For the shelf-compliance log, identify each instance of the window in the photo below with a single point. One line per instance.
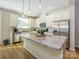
(22, 22)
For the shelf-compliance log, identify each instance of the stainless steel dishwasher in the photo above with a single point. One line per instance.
(16, 37)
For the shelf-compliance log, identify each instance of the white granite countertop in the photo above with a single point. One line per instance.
(50, 40)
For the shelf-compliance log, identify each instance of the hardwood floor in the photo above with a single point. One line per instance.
(14, 52)
(17, 51)
(72, 55)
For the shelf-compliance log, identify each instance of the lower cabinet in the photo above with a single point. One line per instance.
(42, 52)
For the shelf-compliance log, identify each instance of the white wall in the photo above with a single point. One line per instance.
(0, 27)
(5, 25)
(77, 23)
(72, 28)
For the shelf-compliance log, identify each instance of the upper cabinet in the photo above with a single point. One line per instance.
(13, 19)
(60, 15)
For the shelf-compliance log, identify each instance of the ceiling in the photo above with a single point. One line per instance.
(17, 5)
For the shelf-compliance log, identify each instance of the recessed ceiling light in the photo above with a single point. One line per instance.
(50, 8)
(40, 6)
(19, 8)
(29, 12)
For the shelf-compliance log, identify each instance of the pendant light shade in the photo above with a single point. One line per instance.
(23, 6)
(29, 11)
(23, 14)
(40, 4)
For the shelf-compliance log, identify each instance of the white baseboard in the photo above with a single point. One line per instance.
(77, 46)
(72, 49)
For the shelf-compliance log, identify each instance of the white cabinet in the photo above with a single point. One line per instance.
(42, 52)
(5, 25)
(60, 15)
(13, 19)
(0, 27)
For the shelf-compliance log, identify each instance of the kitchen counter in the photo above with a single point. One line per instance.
(48, 47)
(50, 40)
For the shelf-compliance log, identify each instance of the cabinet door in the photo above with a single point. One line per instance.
(5, 25)
(42, 52)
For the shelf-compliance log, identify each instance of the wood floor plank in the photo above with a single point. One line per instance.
(14, 52)
(17, 51)
(72, 55)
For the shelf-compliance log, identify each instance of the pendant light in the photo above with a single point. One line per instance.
(23, 9)
(29, 11)
(40, 4)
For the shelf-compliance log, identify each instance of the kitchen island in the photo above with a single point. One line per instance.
(48, 47)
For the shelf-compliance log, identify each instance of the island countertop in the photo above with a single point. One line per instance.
(50, 40)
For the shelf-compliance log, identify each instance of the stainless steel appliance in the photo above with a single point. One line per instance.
(62, 28)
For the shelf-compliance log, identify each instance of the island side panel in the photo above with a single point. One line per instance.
(42, 52)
